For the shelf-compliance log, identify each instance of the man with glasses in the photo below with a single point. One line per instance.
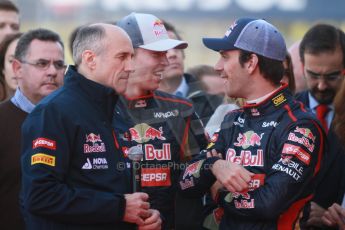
(322, 52)
(39, 67)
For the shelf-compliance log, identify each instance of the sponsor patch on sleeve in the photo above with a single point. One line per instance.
(297, 151)
(193, 169)
(44, 143)
(42, 158)
(152, 177)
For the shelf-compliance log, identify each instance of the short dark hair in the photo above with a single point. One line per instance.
(39, 34)
(8, 6)
(271, 70)
(322, 38)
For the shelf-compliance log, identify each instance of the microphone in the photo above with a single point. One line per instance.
(135, 153)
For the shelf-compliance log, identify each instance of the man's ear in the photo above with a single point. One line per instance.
(17, 68)
(89, 58)
(252, 63)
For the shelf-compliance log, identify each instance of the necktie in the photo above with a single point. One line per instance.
(321, 112)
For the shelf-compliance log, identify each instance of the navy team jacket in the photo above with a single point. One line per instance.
(282, 144)
(168, 131)
(72, 171)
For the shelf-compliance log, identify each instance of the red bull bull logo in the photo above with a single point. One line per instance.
(93, 138)
(97, 145)
(193, 169)
(305, 132)
(247, 139)
(142, 133)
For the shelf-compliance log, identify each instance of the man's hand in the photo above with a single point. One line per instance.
(316, 212)
(153, 222)
(334, 216)
(232, 176)
(215, 189)
(137, 208)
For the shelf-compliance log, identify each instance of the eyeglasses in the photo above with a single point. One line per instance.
(327, 77)
(44, 64)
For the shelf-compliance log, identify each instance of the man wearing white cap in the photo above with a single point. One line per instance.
(272, 136)
(164, 126)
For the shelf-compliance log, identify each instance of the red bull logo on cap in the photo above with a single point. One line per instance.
(158, 28)
(142, 133)
(247, 139)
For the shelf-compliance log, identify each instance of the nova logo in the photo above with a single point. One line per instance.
(173, 113)
(97, 163)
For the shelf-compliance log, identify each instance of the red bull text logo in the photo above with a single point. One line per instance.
(96, 147)
(304, 141)
(305, 132)
(246, 158)
(247, 139)
(257, 181)
(157, 154)
(142, 133)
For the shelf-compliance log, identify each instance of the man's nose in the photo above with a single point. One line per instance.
(322, 84)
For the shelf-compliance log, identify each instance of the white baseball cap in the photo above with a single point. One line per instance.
(148, 32)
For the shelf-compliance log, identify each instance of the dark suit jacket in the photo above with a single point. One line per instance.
(331, 187)
(204, 104)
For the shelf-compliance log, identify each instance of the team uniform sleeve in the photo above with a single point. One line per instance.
(197, 177)
(47, 140)
(290, 177)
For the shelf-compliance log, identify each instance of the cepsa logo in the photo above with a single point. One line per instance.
(142, 133)
(153, 177)
(44, 143)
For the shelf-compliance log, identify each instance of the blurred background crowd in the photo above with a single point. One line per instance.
(193, 18)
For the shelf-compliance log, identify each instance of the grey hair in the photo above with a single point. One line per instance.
(88, 37)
